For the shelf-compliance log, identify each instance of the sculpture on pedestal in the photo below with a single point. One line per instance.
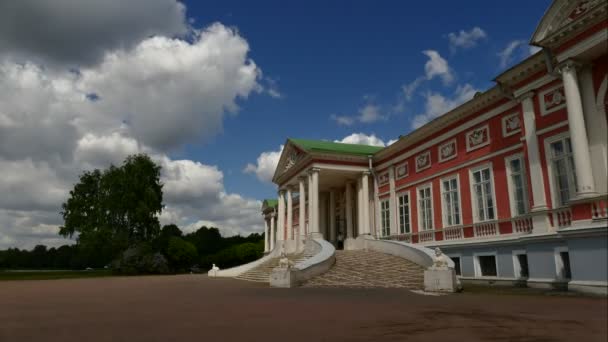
(440, 260)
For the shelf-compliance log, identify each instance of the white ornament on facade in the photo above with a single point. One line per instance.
(447, 151)
(292, 159)
(478, 137)
(552, 99)
(423, 161)
(402, 170)
(511, 124)
(383, 178)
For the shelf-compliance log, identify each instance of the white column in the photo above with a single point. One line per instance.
(266, 234)
(332, 216)
(578, 132)
(536, 172)
(392, 204)
(281, 218)
(359, 207)
(315, 199)
(302, 211)
(377, 219)
(310, 204)
(273, 228)
(349, 209)
(365, 197)
(289, 214)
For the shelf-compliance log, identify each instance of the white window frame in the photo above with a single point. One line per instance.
(384, 229)
(541, 100)
(511, 186)
(474, 196)
(409, 211)
(443, 203)
(486, 127)
(451, 141)
(477, 265)
(551, 173)
(420, 226)
(459, 256)
(559, 264)
(517, 265)
(504, 125)
(428, 153)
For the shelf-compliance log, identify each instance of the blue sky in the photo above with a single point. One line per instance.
(337, 57)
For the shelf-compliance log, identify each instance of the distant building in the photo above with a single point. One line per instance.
(512, 185)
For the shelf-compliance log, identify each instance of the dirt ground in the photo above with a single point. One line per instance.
(196, 308)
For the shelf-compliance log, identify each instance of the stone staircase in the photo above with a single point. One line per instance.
(262, 272)
(369, 269)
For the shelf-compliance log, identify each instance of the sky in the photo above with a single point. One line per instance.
(212, 90)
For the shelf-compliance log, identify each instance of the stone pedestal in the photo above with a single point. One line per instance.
(350, 244)
(440, 280)
(283, 277)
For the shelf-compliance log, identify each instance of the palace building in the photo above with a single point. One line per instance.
(511, 185)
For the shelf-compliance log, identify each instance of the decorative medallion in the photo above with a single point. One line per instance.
(478, 137)
(511, 124)
(402, 170)
(447, 151)
(423, 161)
(383, 178)
(292, 159)
(553, 100)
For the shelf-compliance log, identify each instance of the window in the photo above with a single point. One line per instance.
(517, 185)
(483, 195)
(485, 266)
(564, 173)
(385, 214)
(456, 261)
(451, 203)
(404, 214)
(562, 263)
(425, 209)
(520, 264)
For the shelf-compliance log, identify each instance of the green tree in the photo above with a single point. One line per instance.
(114, 209)
(181, 254)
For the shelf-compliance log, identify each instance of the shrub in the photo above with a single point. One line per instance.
(182, 254)
(140, 259)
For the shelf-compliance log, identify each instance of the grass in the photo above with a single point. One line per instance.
(52, 274)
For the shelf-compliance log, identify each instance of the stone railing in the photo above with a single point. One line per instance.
(485, 229)
(323, 259)
(522, 224)
(426, 236)
(398, 237)
(599, 209)
(238, 270)
(562, 217)
(453, 233)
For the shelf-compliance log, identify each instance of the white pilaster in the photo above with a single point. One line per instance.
(310, 204)
(392, 205)
(302, 211)
(578, 132)
(332, 216)
(273, 228)
(377, 220)
(536, 172)
(349, 209)
(365, 197)
(281, 218)
(289, 214)
(315, 199)
(359, 207)
(266, 235)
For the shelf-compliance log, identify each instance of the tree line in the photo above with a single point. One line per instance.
(113, 215)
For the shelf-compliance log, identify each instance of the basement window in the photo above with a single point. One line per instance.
(487, 265)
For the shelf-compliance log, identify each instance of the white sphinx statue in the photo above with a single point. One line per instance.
(214, 270)
(440, 261)
(284, 262)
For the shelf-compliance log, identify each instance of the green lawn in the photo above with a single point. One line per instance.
(51, 274)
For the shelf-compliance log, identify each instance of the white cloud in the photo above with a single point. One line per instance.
(438, 104)
(515, 50)
(265, 165)
(343, 120)
(464, 39)
(437, 66)
(362, 139)
(152, 97)
(369, 113)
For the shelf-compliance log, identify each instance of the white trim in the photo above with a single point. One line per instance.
(504, 124)
(559, 264)
(548, 78)
(552, 186)
(517, 265)
(388, 208)
(541, 100)
(485, 127)
(458, 129)
(462, 166)
(511, 186)
(443, 210)
(454, 154)
(477, 265)
(474, 197)
(598, 38)
(459, 256)
(552, 127)
(430, 162)
(421, 187)
(409, 210)
(407, 170)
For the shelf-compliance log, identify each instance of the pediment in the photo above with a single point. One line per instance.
(561, 14)
(290, 157)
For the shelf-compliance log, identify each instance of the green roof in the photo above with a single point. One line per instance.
(270, 203)
(334, 147)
